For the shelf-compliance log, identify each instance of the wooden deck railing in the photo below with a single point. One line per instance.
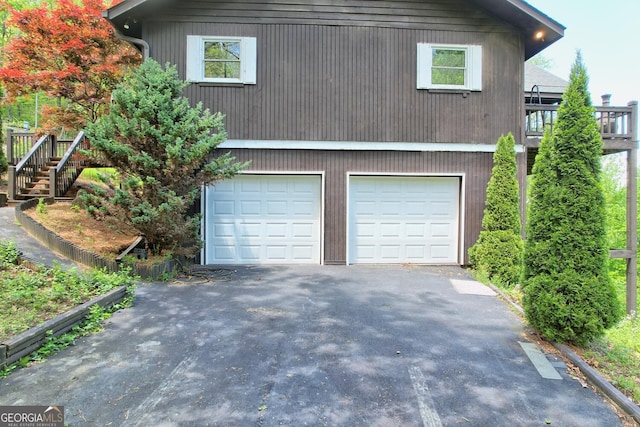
(615, 122)
(18, 145)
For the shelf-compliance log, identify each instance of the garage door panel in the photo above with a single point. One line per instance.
(223, 229)
(416, 208)
(416, 252)
(302, 252)
(246, 186)
(403, 219)
(250, 253)
(441, 209)
(276, 207)
(248, 208)
(390, 229)
(303, 230)
(225, 252)
(303, 208)
(418, 230)
(441, 252)
(263, 219)
(441, 231)
(276, 230)
(224, 207)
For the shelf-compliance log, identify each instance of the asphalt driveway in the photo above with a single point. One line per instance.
(310, 346)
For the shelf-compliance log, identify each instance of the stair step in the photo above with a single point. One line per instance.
(32, 194)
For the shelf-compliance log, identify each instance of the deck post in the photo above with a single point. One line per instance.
(9, 141)
(54, 142)
(52, 182)
(11, 178)
(632, 214)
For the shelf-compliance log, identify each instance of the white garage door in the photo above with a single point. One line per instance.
(263, 219)
(403, 219)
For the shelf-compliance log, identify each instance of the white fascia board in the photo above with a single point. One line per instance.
(258, 144)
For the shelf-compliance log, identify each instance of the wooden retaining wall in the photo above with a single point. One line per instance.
(24, 344)
(63, 247)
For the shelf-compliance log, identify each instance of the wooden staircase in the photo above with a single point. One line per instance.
(48, 167)
(40, 185)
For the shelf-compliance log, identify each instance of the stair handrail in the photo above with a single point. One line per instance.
(72, 148)
(67, 170)
(15, 172)
(32, 152)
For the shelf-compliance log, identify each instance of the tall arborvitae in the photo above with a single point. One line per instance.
(498, 252)
(568, 295)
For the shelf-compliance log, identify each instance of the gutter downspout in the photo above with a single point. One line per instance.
(142, 44)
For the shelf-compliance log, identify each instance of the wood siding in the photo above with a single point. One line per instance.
(338, 70)
(476, 168)
(450, 15)
(351, 82)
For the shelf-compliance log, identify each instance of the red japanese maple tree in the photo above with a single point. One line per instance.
(70, 52)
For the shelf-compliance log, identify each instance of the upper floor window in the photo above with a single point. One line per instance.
(221, 59)
(449, 67)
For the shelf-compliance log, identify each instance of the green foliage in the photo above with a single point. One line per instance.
(618, 356)
(615, 194)
(27, 297)
(541, 61)
(42, 207)
(567, 292)
(164, 151)
(498, 256)
(4, 164)
(9, 255)
(448, 66)
(498, 252)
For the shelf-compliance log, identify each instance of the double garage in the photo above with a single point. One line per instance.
(279, 219)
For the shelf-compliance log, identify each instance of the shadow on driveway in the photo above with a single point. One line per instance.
(309, 345)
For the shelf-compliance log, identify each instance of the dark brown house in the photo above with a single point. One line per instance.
(370, 125)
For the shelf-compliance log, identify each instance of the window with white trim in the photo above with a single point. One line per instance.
(449, 67)
(221, 59)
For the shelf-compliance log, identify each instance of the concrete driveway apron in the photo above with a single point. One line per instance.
(311, 346)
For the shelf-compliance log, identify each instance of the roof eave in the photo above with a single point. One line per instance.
(539, 30)
(123, 7)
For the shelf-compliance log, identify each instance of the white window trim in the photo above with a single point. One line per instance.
(195, 59)
(473, 71)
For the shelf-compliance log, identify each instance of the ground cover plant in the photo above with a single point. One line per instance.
(29, 297)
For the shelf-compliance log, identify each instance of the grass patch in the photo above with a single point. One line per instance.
(617, 354)
(29, 298)
(96, 175)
